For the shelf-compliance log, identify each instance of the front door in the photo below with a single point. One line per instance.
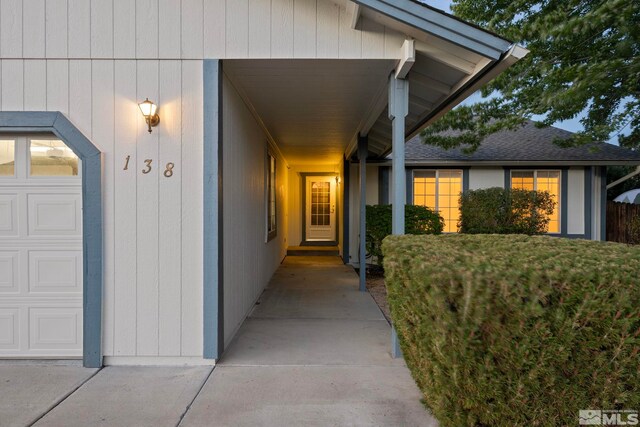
(320, 209)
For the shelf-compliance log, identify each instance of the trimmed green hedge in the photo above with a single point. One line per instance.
(418, 220)
(516, 330)
(505, 211)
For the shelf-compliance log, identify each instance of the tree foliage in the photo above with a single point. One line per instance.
(584, 56)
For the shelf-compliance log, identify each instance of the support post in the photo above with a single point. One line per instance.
(398, 110)
(363, 152)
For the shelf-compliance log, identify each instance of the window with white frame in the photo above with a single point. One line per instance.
(541, 180)
(439, 190)
(271, 197)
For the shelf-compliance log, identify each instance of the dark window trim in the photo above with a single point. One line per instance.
(271, 233)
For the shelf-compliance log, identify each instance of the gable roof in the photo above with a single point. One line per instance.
(526, 145)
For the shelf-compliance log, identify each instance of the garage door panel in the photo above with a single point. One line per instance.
(9, 329)
(40, 255)
(9, 215)
(54, 214)
(55, 272)
(9, 272)
(53, 328)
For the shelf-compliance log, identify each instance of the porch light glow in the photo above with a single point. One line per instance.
(149, 111)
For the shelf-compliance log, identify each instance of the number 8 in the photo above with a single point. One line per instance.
(169, 170)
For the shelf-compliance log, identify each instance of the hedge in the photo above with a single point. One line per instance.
(505, 211)
(418, 220)
(516, 330)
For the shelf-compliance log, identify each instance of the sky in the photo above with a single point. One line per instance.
(572, 125)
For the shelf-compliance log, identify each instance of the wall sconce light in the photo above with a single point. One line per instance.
(149, 111)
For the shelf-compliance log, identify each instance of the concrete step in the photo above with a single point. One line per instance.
(313, 251)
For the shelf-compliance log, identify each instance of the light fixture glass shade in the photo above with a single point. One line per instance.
(148, 108)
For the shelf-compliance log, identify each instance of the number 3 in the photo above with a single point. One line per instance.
(148, 168)
(169, 170)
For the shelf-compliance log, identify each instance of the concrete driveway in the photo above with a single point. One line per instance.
(314, 352)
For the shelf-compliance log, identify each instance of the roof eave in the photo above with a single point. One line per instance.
(510, 163)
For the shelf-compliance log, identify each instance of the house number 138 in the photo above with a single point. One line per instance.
(168, 171)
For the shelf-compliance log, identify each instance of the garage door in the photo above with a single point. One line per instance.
(40, 248)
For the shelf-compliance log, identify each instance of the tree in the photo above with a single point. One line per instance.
(584, 56)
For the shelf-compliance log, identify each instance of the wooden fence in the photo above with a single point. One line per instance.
(618, 217)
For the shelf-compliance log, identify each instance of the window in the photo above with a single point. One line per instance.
(7, 157)
(320, 203)
(440, 190)
(51, 157)
(541, 180)
(271, 197)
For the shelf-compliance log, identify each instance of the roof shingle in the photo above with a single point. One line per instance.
(526, 144)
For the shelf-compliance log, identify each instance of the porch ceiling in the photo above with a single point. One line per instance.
(311, 108)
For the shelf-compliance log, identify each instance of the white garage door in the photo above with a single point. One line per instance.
(40, 248)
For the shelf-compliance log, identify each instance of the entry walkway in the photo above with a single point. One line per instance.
(314, 352)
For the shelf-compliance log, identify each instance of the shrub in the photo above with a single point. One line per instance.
(418, 220)
(516, 330)
(505, 211)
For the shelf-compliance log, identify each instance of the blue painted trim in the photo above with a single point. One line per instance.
(564, 201)
(383, 185)
(91, 157)
(213, 297)
(441, 25)
(603, 203)
(507, 178)
(363, 148)
(588, 202)
(465, 180)
(346, 186)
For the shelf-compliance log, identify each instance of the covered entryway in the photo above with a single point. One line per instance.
(40, 248)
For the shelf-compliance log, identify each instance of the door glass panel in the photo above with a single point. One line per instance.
(7, 157)
(320, 201)
(51, 157)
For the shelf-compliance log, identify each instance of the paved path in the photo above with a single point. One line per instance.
(314, 352)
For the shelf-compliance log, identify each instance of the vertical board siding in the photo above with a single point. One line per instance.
(124, 28)
(102, 135)
(11, 28)
(35, 85)
(79, 27)
(33, 18)
(56, 29)
(350, 40)
(328, 22)
(12, 85)
(259, 28)
(214, 32)
(237, 28)
(192, 207)
(169, 14)
(304, 28)
(126, 118)
(249, 262)
(282, 29)
(152, 224)
(147, 30)
(189, 29)
(58, 85)
(147, 218)
(192, 29)
(102, 35)
(80, 96)
(169, 208)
